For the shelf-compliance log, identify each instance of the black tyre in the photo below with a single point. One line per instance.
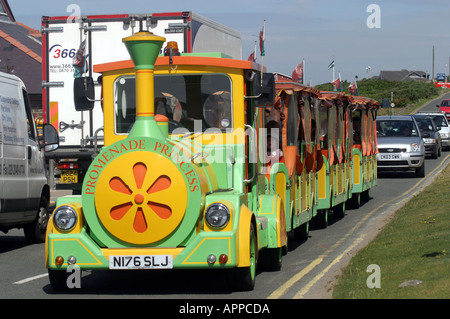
(321, 219)
(302, 231)
(243, 278)
(420, 171)
(35, 231)
(270, 259)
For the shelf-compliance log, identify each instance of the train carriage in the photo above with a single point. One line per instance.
(301, 144)
(334, 176)
(364, 150)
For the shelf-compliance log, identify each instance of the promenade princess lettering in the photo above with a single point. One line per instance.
(104, 157)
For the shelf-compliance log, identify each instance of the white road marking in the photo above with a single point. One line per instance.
(23, 281)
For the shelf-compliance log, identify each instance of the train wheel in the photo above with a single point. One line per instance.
(270, 259)
(355, 201)
(339, 210)
(321, 219)
(302, 232)
(366, 195)
(243, 278)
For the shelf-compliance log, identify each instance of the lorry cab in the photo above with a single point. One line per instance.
(24, 192)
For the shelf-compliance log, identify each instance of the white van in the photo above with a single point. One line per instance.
(24, 192)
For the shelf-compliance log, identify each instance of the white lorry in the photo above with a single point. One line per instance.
(94, 40)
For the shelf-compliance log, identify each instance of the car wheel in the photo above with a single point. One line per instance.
(420, 171)
(435, 153)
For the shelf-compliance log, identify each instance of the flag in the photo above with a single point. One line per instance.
(353, 88)
(297, 74)
(80, 61)
(331, 65)
(262, 38)
(252, 56)
(336, 84)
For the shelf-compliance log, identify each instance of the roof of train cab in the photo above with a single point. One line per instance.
(211, 59)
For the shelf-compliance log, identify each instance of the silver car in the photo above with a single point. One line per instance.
(441, 121)
(400, 145)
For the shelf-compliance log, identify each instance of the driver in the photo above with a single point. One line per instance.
(217, 110)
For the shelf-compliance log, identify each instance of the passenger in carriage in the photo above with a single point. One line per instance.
(356, 130)
(274, 153)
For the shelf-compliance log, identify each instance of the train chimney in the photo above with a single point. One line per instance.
(144, 48)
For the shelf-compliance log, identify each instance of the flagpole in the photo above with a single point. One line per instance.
(303, 73)
(263, 53)
(262, 68)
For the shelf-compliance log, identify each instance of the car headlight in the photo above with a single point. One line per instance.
(444, 135)
(65, 218)
(415, 147)
(217, 215)
(429, 140)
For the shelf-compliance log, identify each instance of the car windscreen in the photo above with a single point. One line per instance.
(439, 120)
(396, 128)
(424, 124)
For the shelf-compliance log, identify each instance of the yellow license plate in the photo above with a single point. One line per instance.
(69, 176)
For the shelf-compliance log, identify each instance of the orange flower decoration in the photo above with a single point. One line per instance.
(138, 198)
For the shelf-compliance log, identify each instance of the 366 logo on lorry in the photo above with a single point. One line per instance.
(62, 59)
(59, 52)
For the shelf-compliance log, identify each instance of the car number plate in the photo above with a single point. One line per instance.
(141, 262)
(69, 176)
(390, 156)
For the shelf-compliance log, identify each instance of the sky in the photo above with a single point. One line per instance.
(363, 37)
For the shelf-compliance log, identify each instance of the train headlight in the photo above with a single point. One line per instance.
(65, 218)
(217, 215)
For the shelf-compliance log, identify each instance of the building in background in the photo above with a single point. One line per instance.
(404, 75)
(20, 54)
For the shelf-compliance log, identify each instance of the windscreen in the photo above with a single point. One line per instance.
(396, 128)
(439, 120)
(191, 102)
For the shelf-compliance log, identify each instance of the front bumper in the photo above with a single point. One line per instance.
(399, 161)
(430, 149)
(90, 256)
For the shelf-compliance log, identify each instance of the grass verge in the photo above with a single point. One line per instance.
(414, 246)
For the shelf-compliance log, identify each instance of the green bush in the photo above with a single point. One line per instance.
(405, 93)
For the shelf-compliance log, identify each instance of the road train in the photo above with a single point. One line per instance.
(209, 163)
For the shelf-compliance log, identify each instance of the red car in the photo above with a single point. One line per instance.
(445, 107)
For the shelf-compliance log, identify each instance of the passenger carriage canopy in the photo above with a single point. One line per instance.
(191, 102)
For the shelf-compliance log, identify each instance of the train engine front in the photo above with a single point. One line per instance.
(144, 202)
